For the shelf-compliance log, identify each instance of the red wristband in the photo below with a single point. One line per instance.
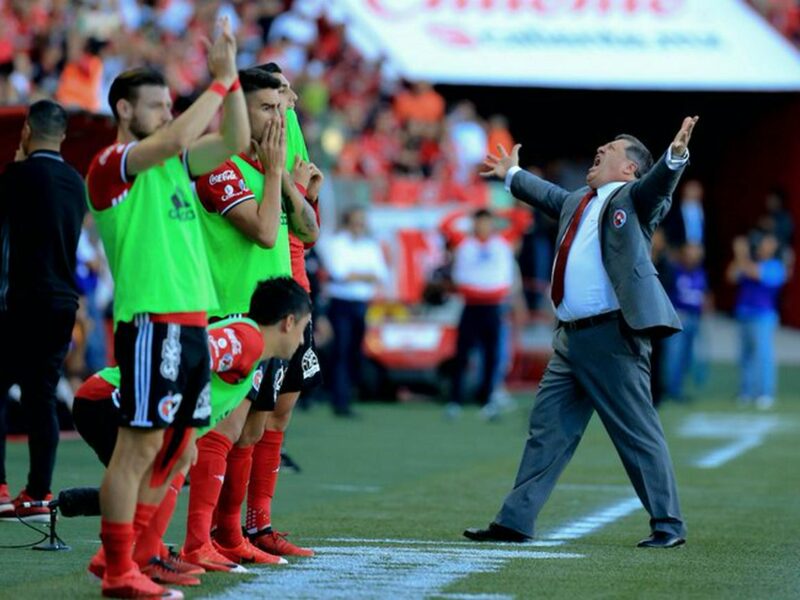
(218, 88)
(236, 85)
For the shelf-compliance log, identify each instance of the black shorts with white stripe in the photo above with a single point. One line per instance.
(303, 373)
(164, 374)
(267, 381)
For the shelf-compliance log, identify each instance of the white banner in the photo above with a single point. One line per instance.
(610, 44)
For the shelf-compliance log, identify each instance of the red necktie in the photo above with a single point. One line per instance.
(557, 289)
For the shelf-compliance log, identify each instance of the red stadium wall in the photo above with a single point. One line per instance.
(86, 135)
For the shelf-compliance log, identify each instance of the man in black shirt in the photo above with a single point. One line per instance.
(42, 204)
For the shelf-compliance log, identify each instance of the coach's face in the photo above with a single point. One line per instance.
(151, 110)
(611, 163)
(263, 107)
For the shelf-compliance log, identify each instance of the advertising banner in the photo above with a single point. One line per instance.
(603, 44)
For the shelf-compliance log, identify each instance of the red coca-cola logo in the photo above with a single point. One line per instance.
(400, 9)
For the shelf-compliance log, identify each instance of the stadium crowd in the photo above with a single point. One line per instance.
(360, 117)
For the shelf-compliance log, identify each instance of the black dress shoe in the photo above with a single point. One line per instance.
(495, 533)
(661, 539)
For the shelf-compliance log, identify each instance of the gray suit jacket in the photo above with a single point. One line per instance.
(627, 222)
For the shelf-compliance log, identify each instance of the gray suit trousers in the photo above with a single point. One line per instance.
(604, 368)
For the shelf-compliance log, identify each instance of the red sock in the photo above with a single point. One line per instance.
(206, 477)
(263, 479)
(234, 490)
(148, 542)
(142, 517)
(118, 546)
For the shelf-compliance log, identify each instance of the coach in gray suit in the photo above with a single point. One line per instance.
(609, 303)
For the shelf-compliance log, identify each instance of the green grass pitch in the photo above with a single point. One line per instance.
(385, 499)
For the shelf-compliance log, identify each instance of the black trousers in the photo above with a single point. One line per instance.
(479, 326)
(348, 320)
(33, 345)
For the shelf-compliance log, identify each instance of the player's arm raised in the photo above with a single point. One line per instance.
(260, 221)
(211, 150)
(302, 217)
(185, 130)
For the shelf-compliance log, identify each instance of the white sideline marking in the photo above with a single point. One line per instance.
(411, 569)
(373, 571)
(746, 431)
(720, 456)
(591, 523)
(402, 542)
(344, 487)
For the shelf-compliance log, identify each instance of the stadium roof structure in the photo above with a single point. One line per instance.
(710, 45)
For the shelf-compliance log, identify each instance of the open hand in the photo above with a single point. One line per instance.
(680, 144)
(498, 166)
(222, 54)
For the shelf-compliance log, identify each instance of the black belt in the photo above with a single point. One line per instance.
(589, 321)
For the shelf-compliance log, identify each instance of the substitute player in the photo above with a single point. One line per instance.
(250, 203)
(303, 373)
(140, 195)
(279, 310)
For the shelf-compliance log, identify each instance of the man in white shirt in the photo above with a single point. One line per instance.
(483, 274)
(357, 271)
(609, 304)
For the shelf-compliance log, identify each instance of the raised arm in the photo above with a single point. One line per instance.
(211, 150)
(260, 221)
(652, 194)
(302, 217)
(546, 196)
(184, 131)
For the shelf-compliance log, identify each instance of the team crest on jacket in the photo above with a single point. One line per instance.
(619, 218)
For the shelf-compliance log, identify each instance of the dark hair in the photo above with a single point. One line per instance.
(126, 85)
(481, 213)
(638, 153)
(253, 80)
(275, 299)
(269, 67)
(47, 120)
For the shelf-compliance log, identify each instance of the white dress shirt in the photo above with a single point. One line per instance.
(346, 255)
(587, 289)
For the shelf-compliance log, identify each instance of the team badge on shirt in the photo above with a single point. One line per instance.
(257, 377)
(310, 364)
(620, 217)
(168, 406)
